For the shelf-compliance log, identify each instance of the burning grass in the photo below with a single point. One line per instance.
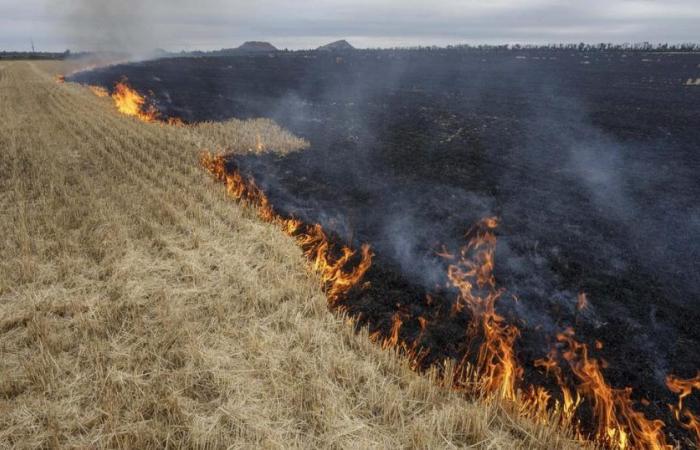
(140, 309)
(251, 136)
(490, 367)
(492, 371)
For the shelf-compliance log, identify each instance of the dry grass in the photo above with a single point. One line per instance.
(140, 308)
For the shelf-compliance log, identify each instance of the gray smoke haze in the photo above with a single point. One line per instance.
(131, 26)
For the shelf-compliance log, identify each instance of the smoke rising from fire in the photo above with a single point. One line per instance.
(135, 27)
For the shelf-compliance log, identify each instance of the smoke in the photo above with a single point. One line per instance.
(638, 190)
(138, 27)
(107, 26)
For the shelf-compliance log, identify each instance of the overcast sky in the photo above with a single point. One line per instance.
(213, 24)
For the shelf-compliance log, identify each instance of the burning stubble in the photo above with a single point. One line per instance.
(490, 365)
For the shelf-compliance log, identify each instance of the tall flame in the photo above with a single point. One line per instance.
(571, 400)
(496, 367)
(581, 301)
(618, 424)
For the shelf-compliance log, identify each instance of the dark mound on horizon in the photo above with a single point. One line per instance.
(590, 159)
(337, 46)
(256, 47)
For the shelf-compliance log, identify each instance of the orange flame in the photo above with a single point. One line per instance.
(683, 415)
(175, 121)
(259, 146)
(581, 301)
(99, 91)
(333, 264)
(472, 274)
(618, 424)
(393, 340)
(571, 400)
(131, 103)
(60, 78)
(496, 371)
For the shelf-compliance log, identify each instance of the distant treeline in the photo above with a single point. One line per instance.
(571, 47)
(580, 47)
(101, 56)
(35, 55)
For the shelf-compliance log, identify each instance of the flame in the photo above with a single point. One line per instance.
(99, 91)
(131, 103)
(683, 415)
(571, 400)
(393, 340)
(492, 369)
(332, 263)
(175, 121)
(60, 79)
(496, 367)
(581, 301)
(618, 424)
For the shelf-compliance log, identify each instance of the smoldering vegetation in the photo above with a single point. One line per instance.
(590, 162)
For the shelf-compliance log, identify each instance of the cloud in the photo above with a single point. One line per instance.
(174, 24)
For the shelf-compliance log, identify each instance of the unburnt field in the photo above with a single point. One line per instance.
(590, 160)
(141, 308)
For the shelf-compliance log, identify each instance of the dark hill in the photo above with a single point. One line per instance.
(257, 46)
(341, 45)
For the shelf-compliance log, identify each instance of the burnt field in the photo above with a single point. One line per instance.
(589, 160)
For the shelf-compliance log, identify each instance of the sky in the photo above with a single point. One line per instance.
(141, 25)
